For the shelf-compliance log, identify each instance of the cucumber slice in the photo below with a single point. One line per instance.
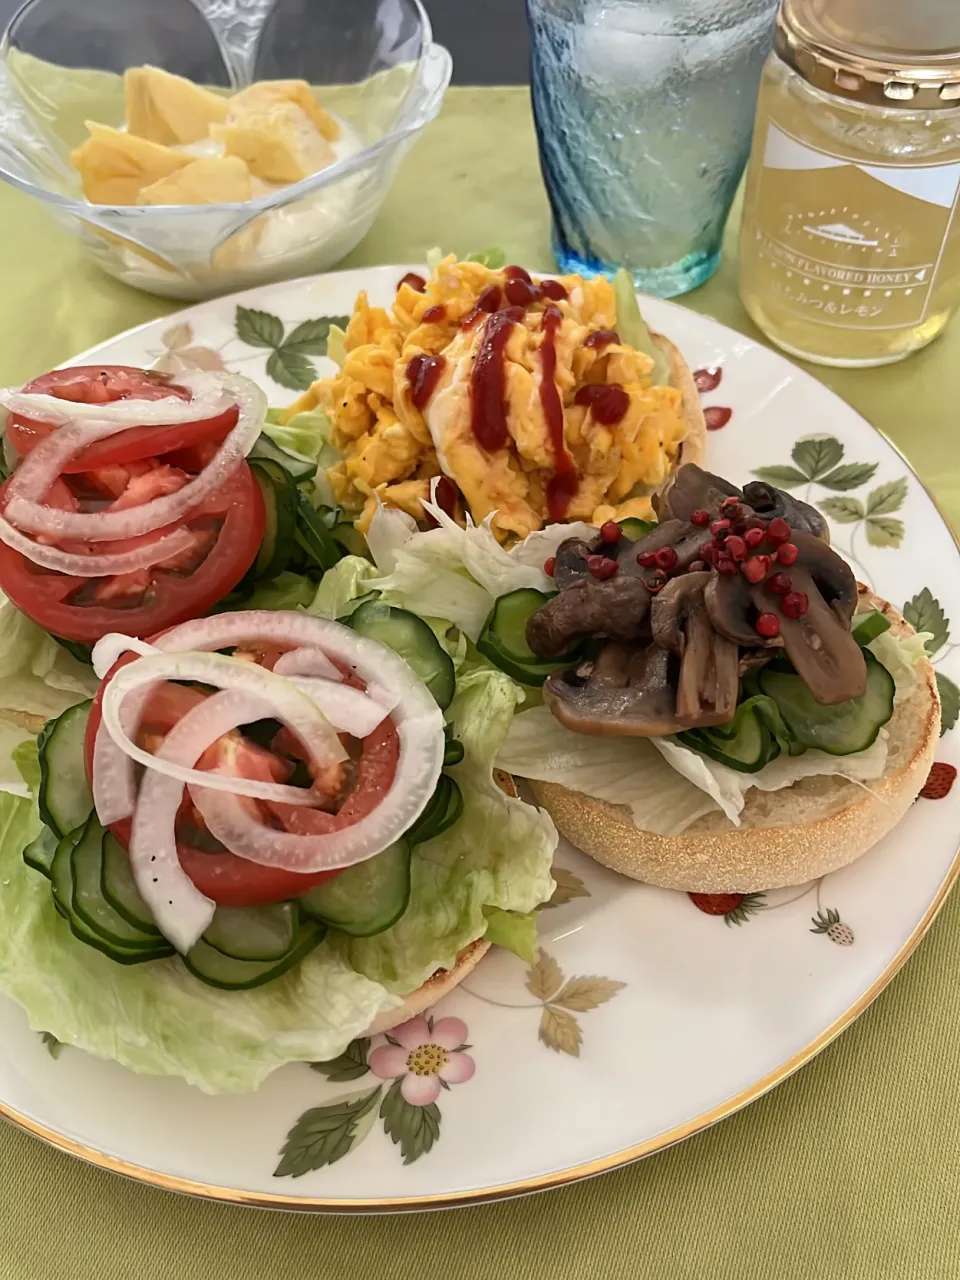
(217, 970)
(412, 639)
(635, 529)
(504, 638)
(63, 889)
(90, 907)
(867, 626)
(120, 889)
(253, 933)
(842, 729)
(443, 809)
(280, 508)
(745, 743)
(453, 752)
(61, 875)
(314, 536)
(366, 898)
(39, 853)
(64, 797)
(296, 465)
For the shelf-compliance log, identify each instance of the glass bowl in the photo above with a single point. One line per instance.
(371, 62)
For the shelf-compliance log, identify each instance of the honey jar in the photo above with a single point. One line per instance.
(850, 240)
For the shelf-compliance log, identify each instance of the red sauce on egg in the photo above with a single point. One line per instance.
(563, 484)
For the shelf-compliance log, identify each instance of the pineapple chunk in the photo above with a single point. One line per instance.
(221, 180)
(278, 142)
(114, 165)
(266, 92)
(169, 109)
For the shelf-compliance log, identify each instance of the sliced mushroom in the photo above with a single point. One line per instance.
(823, 652)
(627, 691)
(688, 540)
(819, 643)
(618, 607)
(709, 679)
(730, 608)
(834, 577)
(571, 562)
(771, 503)
(692, 489)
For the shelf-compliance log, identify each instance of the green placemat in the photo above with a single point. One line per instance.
(849, 1170)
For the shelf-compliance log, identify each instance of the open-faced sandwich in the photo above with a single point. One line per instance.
(262, 817)
(725, 709)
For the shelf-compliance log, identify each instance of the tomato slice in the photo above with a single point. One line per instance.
(105, 384)
(229, 880)
(228, 528)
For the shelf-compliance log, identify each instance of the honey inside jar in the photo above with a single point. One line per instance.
(850, 242)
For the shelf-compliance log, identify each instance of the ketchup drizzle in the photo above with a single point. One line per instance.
(488, 381)
(414, 281)
(608, 402)
(435, 315)
(423, 374)
(486, 304)
(565, 481)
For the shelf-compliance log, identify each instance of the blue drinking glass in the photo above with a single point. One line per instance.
(644, 112)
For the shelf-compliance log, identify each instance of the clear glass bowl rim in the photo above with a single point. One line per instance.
(431, 53)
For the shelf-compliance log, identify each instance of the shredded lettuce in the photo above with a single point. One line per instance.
(342, 588)
(632, 327)
(337, 345)
(456, 573)
(728, 787)
(900, 655)
(494, 258)
(306, 434)
(285, 591)
(622, 771)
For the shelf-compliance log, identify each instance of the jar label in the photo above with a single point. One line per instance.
(850, 244)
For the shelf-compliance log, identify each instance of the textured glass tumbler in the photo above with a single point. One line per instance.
(644, 112)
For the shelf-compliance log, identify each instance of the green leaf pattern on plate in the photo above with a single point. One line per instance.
(414, 1129)
(324, 1135)
(925, 613)
(289, 364)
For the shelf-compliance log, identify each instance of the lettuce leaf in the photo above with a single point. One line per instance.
(342, 588)
(38, 679)
(665, 786)
(456, 573)
(156, 1018)
(498, 855)
(900, 655)
(728, 787)
(624, 771)
(514, 930)
(285, 591)
(632, 327)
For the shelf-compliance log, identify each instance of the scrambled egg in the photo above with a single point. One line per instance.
(391, 450)
(184, 144)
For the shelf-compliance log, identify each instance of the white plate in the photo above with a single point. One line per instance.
(645, 1019)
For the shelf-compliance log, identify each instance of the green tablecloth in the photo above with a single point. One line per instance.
(849, 1169)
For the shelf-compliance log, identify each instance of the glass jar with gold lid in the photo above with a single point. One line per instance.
(850, 241)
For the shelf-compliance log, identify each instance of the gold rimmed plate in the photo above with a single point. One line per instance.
(646, 1017)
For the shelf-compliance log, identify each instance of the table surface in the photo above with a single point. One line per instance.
(849, 1169)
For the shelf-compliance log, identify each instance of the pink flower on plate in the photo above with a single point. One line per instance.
(427, 1055)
